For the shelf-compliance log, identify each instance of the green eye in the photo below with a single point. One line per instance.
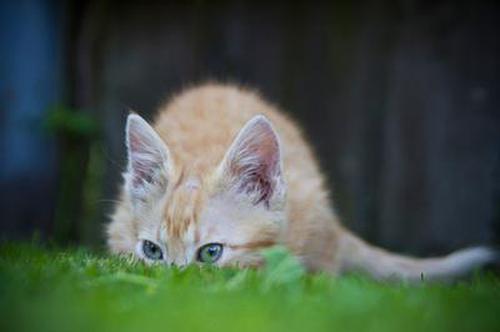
(210, 253)
(151, 250)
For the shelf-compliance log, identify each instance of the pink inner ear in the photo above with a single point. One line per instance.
(143, 172)
(256, 162)
(145, 159)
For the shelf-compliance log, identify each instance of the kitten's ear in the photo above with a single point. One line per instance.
(253, 165)
(148, 161)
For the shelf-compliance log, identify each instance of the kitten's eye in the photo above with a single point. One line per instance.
(151, 250)
(209, 253)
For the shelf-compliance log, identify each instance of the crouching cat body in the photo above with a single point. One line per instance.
(223, 174)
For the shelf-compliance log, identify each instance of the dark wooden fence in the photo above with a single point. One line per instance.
(399, 98)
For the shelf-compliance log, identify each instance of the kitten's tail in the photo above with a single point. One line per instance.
(357, 255)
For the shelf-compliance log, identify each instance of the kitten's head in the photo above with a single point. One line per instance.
(172, 215)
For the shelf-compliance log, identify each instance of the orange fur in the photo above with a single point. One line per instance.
(197, 127)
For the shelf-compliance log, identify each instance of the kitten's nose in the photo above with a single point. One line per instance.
(180, 265)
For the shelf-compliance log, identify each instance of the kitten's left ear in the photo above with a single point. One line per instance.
(253, 164)
(149, 161)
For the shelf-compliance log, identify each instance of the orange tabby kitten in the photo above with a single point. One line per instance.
(223, 174)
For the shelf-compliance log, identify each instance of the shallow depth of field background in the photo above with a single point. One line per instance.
(400, 99)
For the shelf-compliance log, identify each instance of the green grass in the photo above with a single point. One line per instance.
(50, 290)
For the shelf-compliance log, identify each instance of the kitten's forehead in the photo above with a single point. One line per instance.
(183, 206)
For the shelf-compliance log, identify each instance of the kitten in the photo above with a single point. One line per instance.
(224, 174)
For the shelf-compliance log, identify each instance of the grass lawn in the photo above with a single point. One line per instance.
(74, 290)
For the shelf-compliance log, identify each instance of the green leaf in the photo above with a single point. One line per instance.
(281, 267)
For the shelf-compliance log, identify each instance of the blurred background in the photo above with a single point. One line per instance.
(400, 99)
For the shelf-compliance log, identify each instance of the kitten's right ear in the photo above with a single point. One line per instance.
(149, 163)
